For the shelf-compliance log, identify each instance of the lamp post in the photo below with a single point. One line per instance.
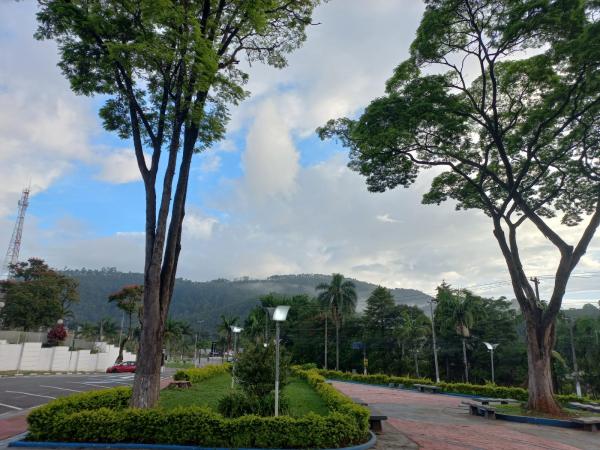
(491, 348)
(279, 315)
(435, 358)
(235, 330)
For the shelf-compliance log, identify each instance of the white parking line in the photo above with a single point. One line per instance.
(11, 407)
(62, 389)
(88, 384)
(33, 395)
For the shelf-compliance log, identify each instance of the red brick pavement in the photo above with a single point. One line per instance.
(435, 422)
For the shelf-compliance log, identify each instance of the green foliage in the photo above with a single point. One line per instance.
(36, 296)
(196, 375)
(239, 403)
(255, 369)
(103, 416)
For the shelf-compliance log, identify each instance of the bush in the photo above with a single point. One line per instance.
(237, 404)
(255, 370)
(202, 373)
(484, 390)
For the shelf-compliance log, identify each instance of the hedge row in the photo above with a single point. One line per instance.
(196, 375)
(104, 416)
(483, 390)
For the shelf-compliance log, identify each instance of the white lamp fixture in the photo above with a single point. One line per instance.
(491, 348)
(278, 315)
(60, 321)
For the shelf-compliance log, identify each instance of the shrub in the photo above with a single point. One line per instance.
(202, 373)
(238, 403)
(255, 370)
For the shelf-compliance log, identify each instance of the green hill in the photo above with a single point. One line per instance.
(194, 301)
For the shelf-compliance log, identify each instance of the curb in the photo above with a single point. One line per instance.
(538, 421)
(40, 444)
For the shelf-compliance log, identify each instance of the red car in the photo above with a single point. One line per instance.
(125, 366)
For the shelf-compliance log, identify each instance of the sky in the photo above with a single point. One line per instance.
(269, 199)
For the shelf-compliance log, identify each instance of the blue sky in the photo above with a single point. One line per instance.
(271, 198)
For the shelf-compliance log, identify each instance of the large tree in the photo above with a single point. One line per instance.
(340, 295)
(168, 72)
(36, 296)
(502, 97)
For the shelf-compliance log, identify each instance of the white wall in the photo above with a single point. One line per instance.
(31, 356)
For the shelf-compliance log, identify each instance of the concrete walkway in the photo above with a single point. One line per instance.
(440, 422)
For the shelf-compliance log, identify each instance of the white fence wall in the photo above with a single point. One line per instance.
(32, 357)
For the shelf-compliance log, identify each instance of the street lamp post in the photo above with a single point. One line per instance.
(435, 358)
(279, 315)
(491, 348)
(235, 330)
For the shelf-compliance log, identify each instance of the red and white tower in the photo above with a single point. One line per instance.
(12, 254)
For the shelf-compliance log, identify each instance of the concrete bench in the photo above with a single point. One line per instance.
(502, 401)
(183, 384)
(589, 423)
(584, 406)
(375, 422)
(427, 388)
(477, 409)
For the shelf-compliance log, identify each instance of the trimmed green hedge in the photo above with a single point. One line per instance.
(196, 375)
(104, 416)
(483, 390)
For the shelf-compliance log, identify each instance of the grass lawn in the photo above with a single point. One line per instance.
(303, 399)
(567, 413)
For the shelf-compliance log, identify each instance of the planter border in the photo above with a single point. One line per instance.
(98, 445)
(560, 423)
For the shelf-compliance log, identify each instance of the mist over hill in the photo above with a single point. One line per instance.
(195, 301)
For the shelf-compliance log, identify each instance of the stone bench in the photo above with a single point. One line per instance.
(375, 422)
(502, 401)
(589, 423)
(427, 388)
(477, 409)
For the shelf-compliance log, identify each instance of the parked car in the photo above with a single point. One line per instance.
(125, 366)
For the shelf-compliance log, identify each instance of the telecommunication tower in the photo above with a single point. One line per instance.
(12, 254)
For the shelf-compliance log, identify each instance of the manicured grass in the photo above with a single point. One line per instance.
(567, 413)
(302, 398)
(206, 393)
(179, 365)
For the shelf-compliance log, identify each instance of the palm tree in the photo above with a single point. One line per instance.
(225, 328)
(460, 306)
(413, 332)
(340, 296)
(128, 300)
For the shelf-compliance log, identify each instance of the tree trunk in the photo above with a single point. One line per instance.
(337, 345)
(539, 357)
(326, 342)
(465, 362)
(417, 366)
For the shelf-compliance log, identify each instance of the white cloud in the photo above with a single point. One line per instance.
(210, 162)
(198, 227)
(271, 162)
(119, 166)
(385, 218)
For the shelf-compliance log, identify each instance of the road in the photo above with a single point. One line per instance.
(19, 394)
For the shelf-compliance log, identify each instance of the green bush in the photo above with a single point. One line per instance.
(238, 403)
(104, 416)
(255, 370)
(484, 390)
(202, 373)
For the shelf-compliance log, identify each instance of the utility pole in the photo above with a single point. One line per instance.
(435, 358)
(575, 370)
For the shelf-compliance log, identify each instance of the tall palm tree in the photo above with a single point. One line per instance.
(340, 295)
(413, 333)
(225, 328)
(461, 306)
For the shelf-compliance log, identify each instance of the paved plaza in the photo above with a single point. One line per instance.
(440, 422)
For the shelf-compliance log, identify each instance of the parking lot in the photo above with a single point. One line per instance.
(18, 394)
